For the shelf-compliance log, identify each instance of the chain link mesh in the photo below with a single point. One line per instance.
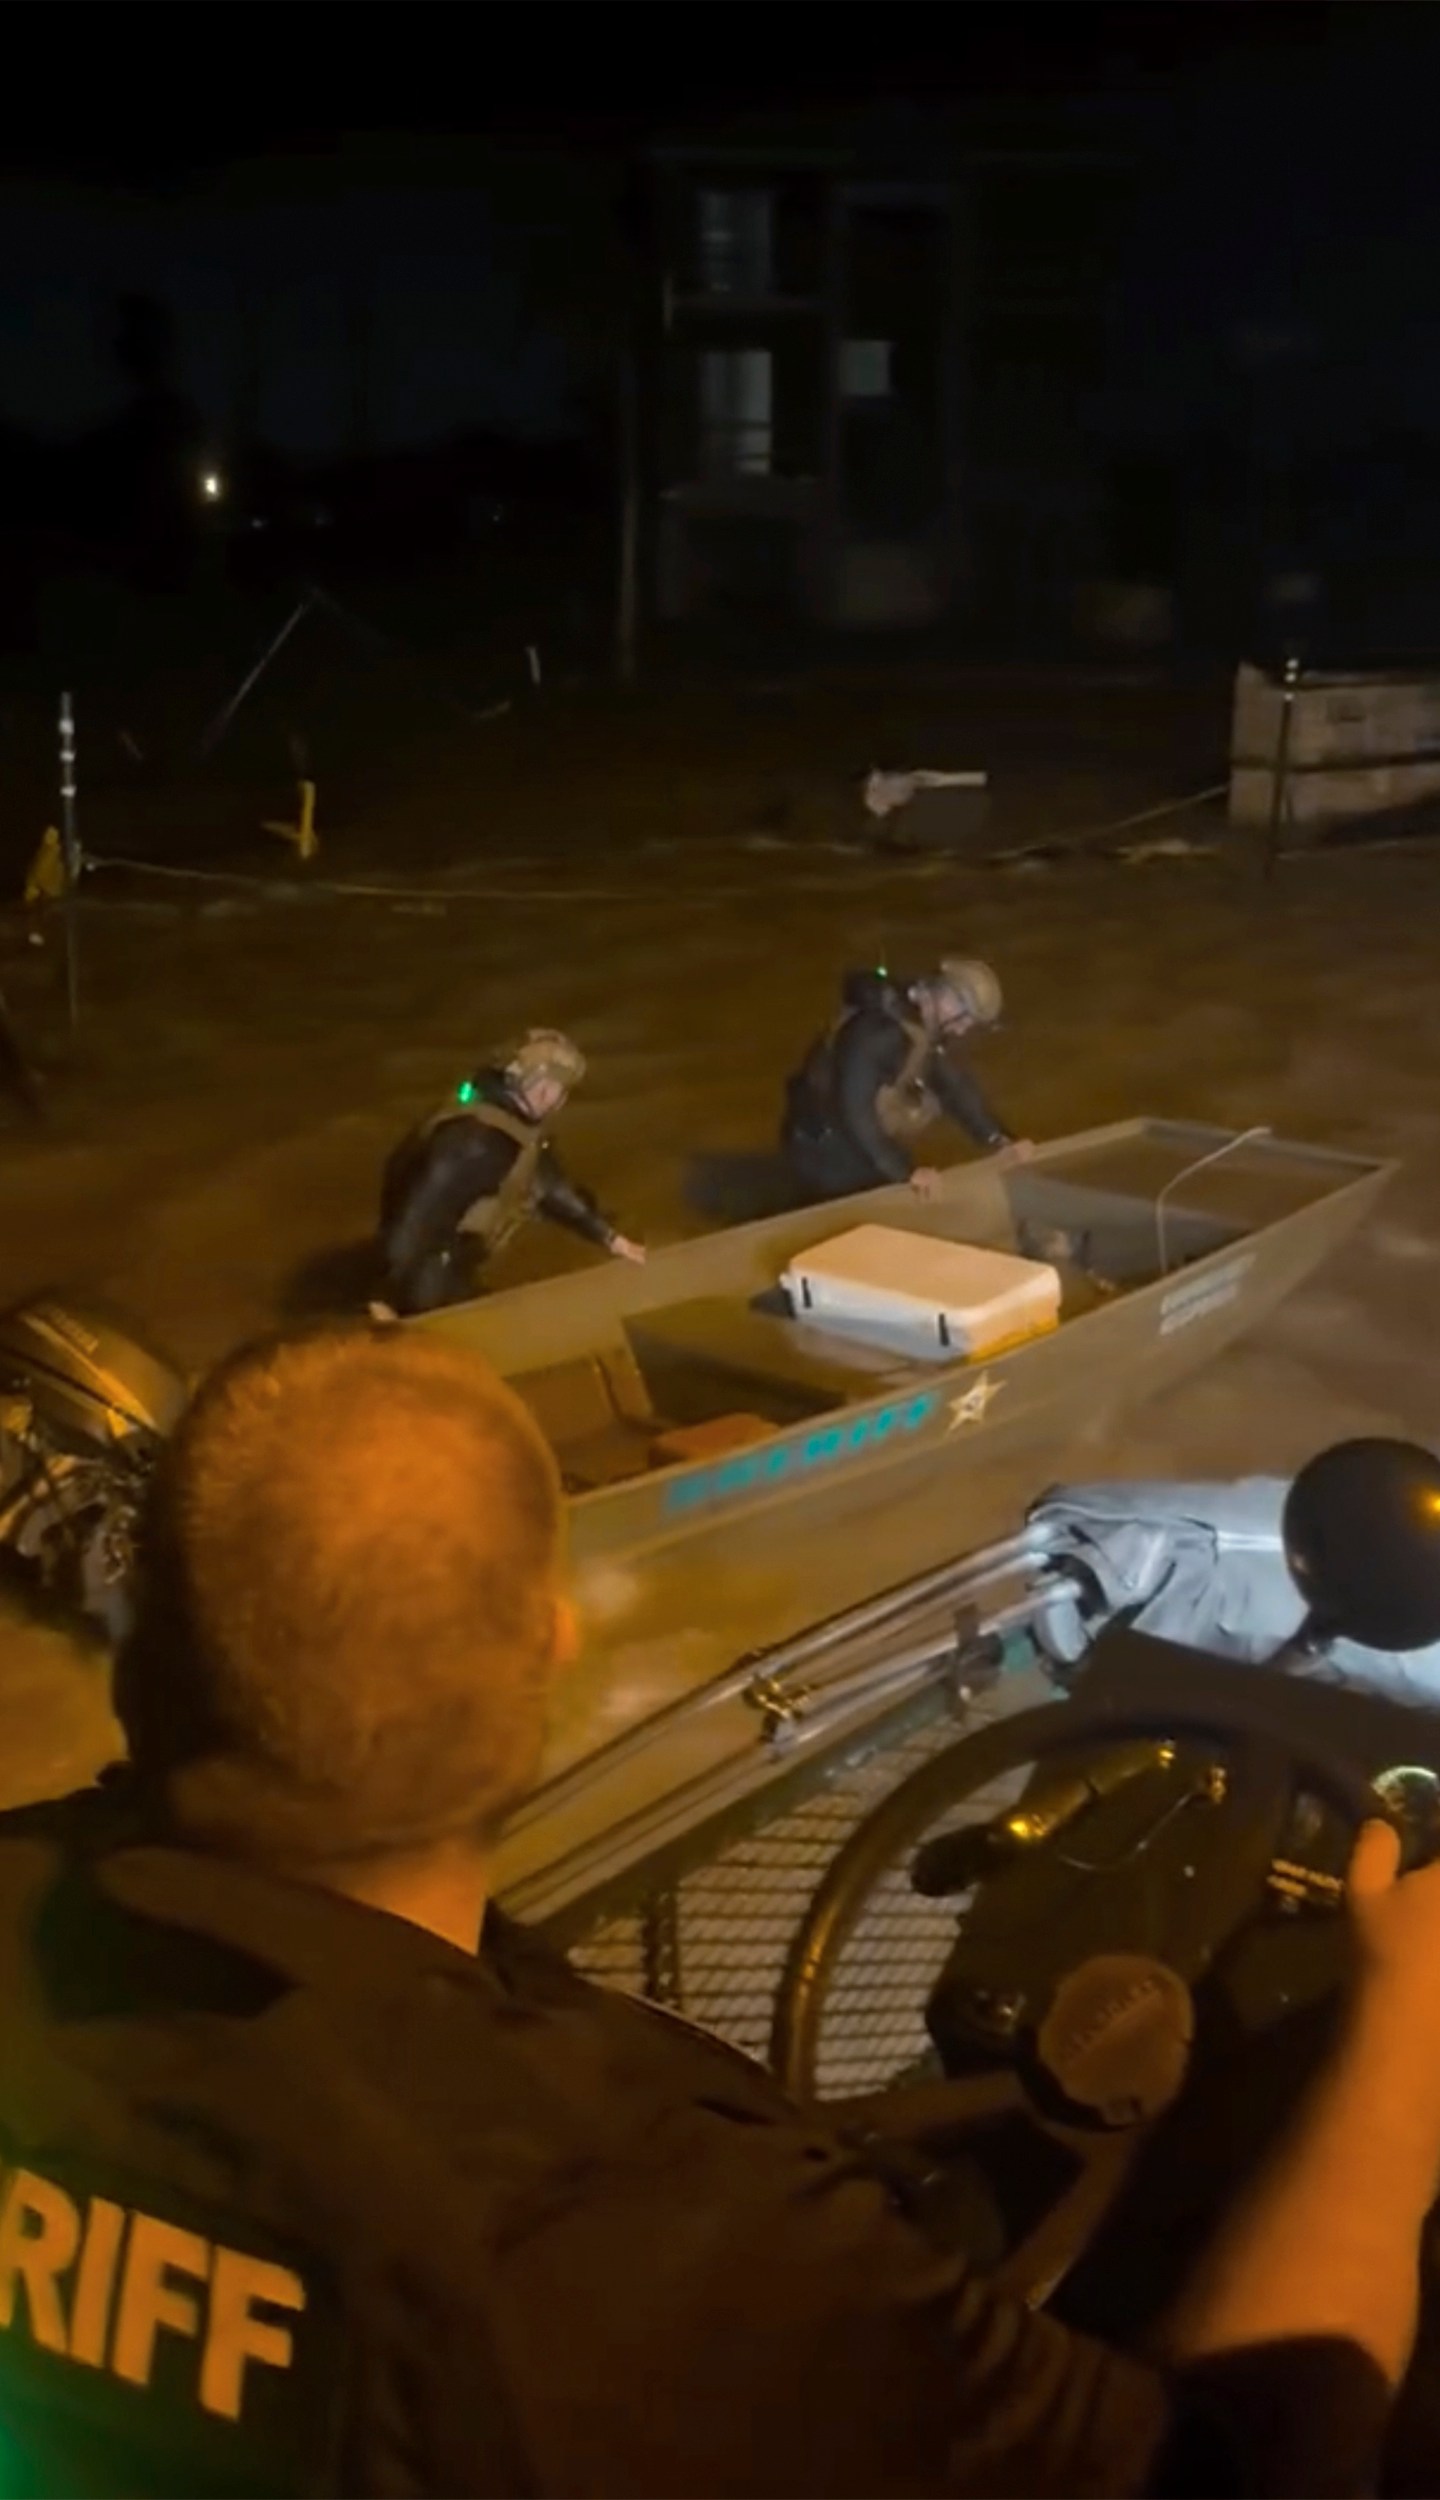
(728, 1925)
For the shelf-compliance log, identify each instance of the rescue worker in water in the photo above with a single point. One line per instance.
(887, 1068)
(458, 1188)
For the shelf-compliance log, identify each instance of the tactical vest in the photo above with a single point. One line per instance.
(906, 1105)
(495, 1220)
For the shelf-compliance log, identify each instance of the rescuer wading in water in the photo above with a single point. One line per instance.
(459, 1187)
(889, 1066)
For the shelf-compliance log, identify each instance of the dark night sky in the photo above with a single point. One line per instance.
(1295, 180)
(536, 67)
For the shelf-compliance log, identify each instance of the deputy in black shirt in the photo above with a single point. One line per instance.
(301, 2192)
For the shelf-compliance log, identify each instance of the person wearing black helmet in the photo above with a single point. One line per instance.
(889, 1067)
(459, 1187)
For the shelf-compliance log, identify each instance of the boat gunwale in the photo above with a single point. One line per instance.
(631, 1282)
(871, 1624)
(612, 1872)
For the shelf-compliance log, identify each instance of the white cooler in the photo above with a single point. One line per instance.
(941, 1294)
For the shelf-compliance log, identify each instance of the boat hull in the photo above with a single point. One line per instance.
(680, 1572)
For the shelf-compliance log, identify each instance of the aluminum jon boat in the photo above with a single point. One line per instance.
(727, 1460)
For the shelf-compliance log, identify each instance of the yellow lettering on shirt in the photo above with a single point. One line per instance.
(236, 2335)
(95, 2282)
(149, 2299)
(39, 2235)
(121, 2277)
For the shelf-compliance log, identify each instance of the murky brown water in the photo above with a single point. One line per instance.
(681, 904)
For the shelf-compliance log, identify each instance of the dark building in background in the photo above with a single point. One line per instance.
(877, 374)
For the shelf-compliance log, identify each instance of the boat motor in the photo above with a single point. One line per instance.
(85, 1410)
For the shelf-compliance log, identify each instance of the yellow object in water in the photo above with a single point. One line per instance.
(303, 833)
(47, 880)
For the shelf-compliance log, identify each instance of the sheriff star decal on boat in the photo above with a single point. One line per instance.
(973, 1403)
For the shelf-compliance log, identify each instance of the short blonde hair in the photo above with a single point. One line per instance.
(348, 1619)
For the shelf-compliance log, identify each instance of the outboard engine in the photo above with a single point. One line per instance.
(85, 1409)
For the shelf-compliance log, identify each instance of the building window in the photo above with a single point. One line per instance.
(865, 368)
(737, 242)
(736, 411)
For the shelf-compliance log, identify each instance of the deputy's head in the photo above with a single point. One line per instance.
(352, 1604)
(543, 1071)
(961, 995)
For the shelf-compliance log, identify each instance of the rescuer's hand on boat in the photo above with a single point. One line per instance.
(925, 1180)
(634, 1251)
(1016, 1150)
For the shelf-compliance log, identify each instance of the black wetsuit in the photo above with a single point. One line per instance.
(485, 1160)
(839, 1134)
(296, 2197)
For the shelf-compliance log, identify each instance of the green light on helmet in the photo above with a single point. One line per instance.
(465, 1090)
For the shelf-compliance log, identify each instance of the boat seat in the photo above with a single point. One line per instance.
(604, 1458)
(596, 1413)
(686, 1444)
(734, 1341)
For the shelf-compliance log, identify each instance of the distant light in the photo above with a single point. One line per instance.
(212, 485)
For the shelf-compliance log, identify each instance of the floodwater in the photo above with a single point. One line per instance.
(681, 893)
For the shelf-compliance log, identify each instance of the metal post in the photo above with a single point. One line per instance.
(70, 847)
(660, 1941)
(218, 726)
(1280, 785)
